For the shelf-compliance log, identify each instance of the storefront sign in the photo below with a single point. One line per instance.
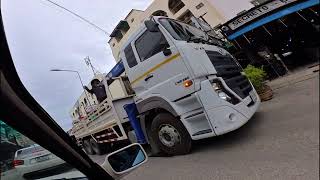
(258, 12)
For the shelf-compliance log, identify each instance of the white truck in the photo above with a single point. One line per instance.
(184, 88)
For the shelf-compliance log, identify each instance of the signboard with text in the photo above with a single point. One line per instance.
(259, 11)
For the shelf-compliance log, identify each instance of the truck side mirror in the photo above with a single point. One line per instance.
(151, 26)
(167, 52)
(165, 47)
(125, 160)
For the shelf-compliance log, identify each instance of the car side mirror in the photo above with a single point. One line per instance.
(151, 26)
(125, 160)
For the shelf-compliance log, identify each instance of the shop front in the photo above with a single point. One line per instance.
(280, 35)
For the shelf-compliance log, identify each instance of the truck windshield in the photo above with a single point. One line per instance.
(181, 31)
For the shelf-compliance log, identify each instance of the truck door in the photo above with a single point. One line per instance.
(163, 70)
(133, 69)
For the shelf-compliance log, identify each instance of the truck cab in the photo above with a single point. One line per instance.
(186, 87)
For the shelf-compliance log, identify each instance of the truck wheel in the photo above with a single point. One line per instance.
(87, 147)
(99, 149)
(170, 135)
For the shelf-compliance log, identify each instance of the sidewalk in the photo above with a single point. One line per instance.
(294, 77)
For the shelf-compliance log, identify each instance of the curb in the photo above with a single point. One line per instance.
(293, 81)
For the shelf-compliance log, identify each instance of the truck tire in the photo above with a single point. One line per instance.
(98, 148)
(170, 135)
(87, 147)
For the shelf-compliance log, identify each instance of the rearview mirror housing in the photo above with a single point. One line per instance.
(167, 52)
(125, 160)
(151, 26)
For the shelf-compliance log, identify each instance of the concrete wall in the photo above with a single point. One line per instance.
(230, 8)
(134, 19)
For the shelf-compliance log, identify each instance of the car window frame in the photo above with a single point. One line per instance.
(17, 103)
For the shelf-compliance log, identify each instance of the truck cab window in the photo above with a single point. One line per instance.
(150, 43)
(131, 59)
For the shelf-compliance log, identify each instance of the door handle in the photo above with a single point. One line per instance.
(148, 77)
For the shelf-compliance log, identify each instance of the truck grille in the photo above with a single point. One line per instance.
(230, 72)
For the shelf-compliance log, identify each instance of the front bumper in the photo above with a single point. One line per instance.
(226, 118)
(223, 116)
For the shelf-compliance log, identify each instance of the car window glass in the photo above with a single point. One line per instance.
(63, 61)
(150, 43)
(64, 50)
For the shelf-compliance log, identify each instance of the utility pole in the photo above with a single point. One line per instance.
(88, 62)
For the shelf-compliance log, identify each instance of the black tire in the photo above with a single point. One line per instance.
(99, 149)
(181, 142)
(87, 147)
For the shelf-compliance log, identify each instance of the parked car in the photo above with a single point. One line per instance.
(34, 159)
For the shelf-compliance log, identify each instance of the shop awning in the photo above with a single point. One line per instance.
(263, 14)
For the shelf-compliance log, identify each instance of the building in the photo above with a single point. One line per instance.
(121, 32)
(258, 2)
(182, 10)
(278, 35)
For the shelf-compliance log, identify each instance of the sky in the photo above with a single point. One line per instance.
(43, 37)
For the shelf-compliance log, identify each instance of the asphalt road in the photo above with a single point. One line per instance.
(281, 141)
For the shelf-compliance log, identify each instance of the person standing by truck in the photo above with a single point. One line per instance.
(97, 89)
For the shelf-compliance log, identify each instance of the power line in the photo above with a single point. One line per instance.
(78, 16)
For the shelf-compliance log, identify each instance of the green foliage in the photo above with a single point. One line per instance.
(256, 76)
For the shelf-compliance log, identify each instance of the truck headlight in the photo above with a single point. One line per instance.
(222, 93)
(216, 86)
(224, 96)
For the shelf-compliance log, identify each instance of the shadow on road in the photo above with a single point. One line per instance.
(234, 138)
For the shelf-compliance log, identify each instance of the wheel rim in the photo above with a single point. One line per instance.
(168, 135)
